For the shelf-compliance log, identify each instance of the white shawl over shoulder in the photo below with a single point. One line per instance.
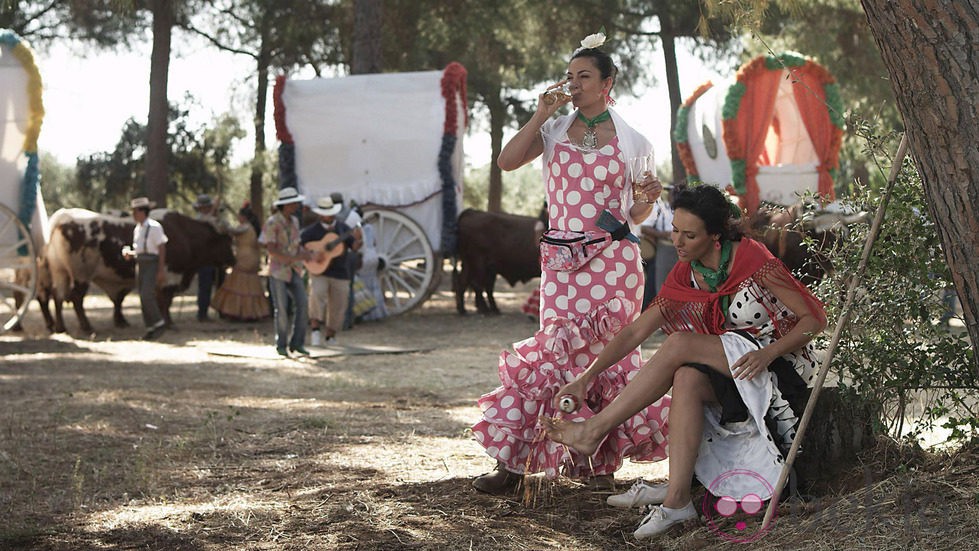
(631, 143)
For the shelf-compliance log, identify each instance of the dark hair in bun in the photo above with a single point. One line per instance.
(602, 60)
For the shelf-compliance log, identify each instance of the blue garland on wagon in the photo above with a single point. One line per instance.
(30, 184)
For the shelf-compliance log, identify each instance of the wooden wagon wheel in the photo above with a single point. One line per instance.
(18, 269)
(410, 267)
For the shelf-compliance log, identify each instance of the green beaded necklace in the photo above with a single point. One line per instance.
(716, 278)
(590, 139)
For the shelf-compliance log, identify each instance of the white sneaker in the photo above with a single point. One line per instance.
(661, 518)
(639, 494)
(330, 341)
(316, 338)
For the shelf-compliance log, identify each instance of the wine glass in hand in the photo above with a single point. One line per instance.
(640, 174)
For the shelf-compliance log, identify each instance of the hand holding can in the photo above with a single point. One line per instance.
(568, 403)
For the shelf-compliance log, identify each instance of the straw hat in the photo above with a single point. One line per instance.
(288, 195)
(326, 207)
(141, 203)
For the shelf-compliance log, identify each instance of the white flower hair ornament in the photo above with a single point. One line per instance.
(593, 40)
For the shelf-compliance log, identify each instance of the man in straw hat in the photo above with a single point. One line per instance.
(281, 236)
(332, 270)
(149, 251)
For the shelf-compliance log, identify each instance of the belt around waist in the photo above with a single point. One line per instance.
(147, 256)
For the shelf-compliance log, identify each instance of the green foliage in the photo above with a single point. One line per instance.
(282, 33)
(523, 192)
(57, 184)
(895, 351)
(199, 163)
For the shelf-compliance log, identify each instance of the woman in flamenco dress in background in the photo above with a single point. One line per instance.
(242, 295)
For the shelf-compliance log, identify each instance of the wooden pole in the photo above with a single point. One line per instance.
(902, 151)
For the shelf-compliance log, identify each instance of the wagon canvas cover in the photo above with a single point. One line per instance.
(21, 112)
(389, 140)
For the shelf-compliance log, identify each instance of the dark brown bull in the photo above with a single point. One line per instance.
(785, 236)
(192, 245)
(85, 247)
(491, 244)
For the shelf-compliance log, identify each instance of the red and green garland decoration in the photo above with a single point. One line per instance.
(819, 103)
(680, 133)
(30, 184)
(453, 89)
(287, 148)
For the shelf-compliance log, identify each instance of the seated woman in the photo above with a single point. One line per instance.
(737, 354)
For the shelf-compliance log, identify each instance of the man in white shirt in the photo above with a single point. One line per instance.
(149, 251)
(658, 228)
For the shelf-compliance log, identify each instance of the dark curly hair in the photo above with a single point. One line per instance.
(708, 203)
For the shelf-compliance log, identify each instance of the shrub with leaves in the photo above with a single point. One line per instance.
(898, 351)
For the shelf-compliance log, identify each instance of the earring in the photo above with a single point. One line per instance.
(717, 244)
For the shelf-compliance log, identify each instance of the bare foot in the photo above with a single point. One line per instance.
(571, 434)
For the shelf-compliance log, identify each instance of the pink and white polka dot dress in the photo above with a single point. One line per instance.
(579, 313)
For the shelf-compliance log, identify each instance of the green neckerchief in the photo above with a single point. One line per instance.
(715, 278)
(590, 123)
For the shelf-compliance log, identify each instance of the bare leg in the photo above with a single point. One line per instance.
(691, 390)
(650, 384)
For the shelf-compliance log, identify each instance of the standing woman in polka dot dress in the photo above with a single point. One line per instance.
(737, 361)
(584, 170)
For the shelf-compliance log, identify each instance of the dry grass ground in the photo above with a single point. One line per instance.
(109, 442)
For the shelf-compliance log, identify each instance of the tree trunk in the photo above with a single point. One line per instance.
(928, 47)
(497, 111)
(157, 170)
(366, 55)
(261, 101)
(841, 427)
(668, 38)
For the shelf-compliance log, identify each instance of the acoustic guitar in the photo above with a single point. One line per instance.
(326, 249)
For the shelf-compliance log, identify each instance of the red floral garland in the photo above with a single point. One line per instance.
(281, 130)
(453, 85)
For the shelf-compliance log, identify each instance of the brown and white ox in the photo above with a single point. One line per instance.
(491, 244)
(85, 247)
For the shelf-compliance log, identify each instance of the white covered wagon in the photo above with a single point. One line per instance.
(391, 142)
(772, 135)
(23, 219)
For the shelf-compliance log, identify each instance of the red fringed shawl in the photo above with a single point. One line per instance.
(699, 310)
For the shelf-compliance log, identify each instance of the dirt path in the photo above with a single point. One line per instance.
(108, 441)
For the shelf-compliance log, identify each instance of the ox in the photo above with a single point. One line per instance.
(784, 234)
(491, 244)
(85, 247)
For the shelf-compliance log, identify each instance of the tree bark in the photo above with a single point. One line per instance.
(366, 55)
(928, 47)
(840, 429)
(261, 102)
(157, 170)
(668, 38)
(497, 111)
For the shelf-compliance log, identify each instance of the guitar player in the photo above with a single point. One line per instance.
(331, 269)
